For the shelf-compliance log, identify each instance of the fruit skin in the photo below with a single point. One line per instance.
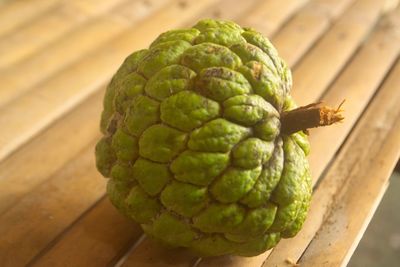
(192, 144)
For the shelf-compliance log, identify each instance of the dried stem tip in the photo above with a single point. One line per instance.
(310, 116)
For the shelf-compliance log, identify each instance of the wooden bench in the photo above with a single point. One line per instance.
(56, 56)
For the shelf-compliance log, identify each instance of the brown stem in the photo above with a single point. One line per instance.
(310, 116)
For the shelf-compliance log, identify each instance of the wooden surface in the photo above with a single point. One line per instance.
(56, 58)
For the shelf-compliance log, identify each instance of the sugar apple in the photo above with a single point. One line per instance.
(196, 146)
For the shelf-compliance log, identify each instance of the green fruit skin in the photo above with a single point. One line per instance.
(192, 145)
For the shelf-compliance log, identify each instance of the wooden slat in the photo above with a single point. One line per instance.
(44, 213)
(65, 247)
(150, 254)
(145, 256)
(8, 19)
(390, 5)
(300, 92)
(226, 9)
(41, 230)
(35, 164)
(357, 83)
(360, 176)
(268, 16)
(38, 160)
(14, 180)
(329, 55)
(294, 39)
(45, 104)
(16, 184)
(53, 24)
(89, 223)
(72, 47)
(103, 245)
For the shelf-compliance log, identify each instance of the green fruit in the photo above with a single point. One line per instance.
(193, 146)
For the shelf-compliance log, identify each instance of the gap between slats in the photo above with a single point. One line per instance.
(358, 178)
(94, 173)
(375, 62)
(302, 97)
(46, 104)
(322, 161)
(36, 97)
(242, 263)
(71, 48)
(10, 22)
(58, 21)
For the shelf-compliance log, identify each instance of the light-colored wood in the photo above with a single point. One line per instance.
(45, 104)
(226, 9)
(137, 254)
(257, 261)
(44, 224)
(90, 8)
(44, 155)
(50, 26)
(357, 85)
(310, 23)
(55, 57)
(15, 232)
(316, 71)
(235, 261)
(65, 247)
(363, 75)
(13, 178)
(107, 236)
(133, 11)
(149, 254)
(360, 176)
(86, 238)
(268, 16)
(390, 5)
(44, 213)
(9, 21)
(89, 231)
(82, 40)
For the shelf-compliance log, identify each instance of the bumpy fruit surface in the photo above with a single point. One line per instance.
(192, 144)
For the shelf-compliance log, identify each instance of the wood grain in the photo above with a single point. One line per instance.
(10, 22)
(226, 9)
(357, 85)
(107, 235)
(363, 75)
(138, 256)
(45, 104)
(149, 254)
(316, 71)
(307, 25)
(322, 157)
(359, 178)
(44, 213)
(268, 16)
(72, 47)
(65, 247)
(61, 204)
(47, 153)
(66, 230)
(37, 34)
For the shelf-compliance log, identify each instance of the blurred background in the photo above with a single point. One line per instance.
(380, 245)
(26, 43)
